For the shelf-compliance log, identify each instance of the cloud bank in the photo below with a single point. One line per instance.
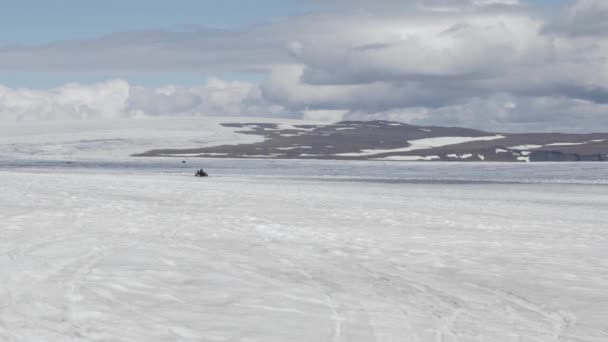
(116, 99)
(490, 64)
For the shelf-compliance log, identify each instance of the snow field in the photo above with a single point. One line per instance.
(172, 258)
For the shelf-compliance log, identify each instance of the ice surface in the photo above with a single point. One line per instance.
(152, 257)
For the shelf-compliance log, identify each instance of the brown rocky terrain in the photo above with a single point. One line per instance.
(386, 140)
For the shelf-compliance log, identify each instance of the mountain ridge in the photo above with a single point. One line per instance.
(396, 141)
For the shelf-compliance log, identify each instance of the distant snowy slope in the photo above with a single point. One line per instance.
(118, 138)
(265, 138)
(423, 144)
(394, 141)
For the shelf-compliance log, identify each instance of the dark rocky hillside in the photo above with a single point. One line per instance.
(386, 140)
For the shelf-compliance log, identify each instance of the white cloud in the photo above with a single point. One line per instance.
(324, 115)
(494, 64)
(72, 101)
(118, 99)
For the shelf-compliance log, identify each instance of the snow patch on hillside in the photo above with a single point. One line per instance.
(568, 143)
(525, 147)
(409, 158)
(422, 144)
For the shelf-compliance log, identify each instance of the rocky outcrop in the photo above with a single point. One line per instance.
(556, 156)
(395, 141)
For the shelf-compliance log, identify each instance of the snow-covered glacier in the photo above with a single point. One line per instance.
(119, 249)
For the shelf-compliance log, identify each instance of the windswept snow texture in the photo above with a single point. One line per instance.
(153, 257)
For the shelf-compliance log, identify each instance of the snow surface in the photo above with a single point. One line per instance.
(272, 155)
(151, 257)
(122, 138)
(96, 246)
(191, 155)
(422, 144)
(294, 148)
(525, 147)
(461, 156)
(576, 143)
(409, 158)
(291, 125)
(524, 159)
(568, 143)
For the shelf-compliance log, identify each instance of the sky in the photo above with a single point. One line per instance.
(499, 65)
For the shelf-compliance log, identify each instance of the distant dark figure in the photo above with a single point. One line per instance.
(201, 173)
(183, 162)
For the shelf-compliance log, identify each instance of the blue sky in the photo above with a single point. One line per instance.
(42, 21)
(31, 23)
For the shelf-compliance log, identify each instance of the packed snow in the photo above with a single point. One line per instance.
(151, 257)
(97, 246)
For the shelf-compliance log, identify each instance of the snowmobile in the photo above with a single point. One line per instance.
(201, 173)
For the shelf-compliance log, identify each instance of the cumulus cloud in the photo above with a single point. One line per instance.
(72, 101)
(118, 99)
(491, 64)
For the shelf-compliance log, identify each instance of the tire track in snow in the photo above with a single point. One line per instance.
(560, 320)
